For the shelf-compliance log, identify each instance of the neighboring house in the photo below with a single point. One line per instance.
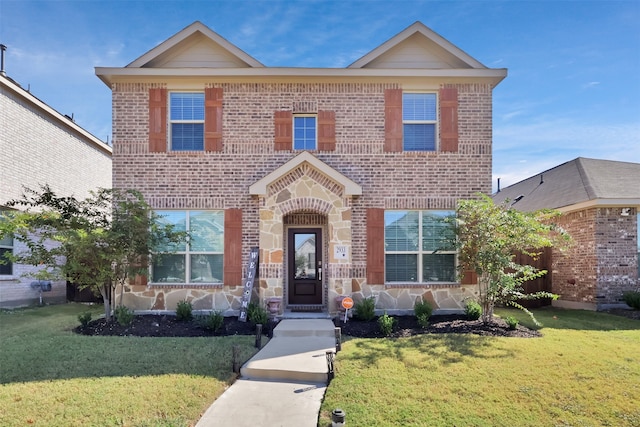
(41, 146)
(600, 201)
(275, 156)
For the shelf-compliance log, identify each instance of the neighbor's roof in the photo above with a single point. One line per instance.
(575, 185)
(65, 122)
(416, 53)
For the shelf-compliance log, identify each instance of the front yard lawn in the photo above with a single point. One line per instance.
(50, 376)
(584, 371)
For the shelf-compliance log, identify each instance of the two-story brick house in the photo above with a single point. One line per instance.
(360, 162)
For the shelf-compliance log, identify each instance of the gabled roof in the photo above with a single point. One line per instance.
(577, 184)
(43, 109)
(416, 55)
(196, 45)
(417, 47)
(350, 188)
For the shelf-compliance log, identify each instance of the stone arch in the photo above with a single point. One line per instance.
(305, 204)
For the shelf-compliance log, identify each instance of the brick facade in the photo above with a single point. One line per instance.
(602, 261)
(39, 146)
(212, 180)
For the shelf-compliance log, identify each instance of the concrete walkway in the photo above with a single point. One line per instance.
(283, 384)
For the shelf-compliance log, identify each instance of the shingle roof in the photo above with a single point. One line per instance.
(577, 181)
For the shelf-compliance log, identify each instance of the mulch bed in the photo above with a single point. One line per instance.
(169, 326)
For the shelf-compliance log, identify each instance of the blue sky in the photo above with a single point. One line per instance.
(573, 87)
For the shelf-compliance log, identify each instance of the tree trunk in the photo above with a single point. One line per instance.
(484, 283)
(104, 291)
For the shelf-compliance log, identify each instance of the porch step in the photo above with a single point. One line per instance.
(304, 328)
(297, 352)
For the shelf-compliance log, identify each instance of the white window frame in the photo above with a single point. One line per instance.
(435, 122)
(419, 253)
(11, 248)
(172, 122)
(293, 132)
(187, 252)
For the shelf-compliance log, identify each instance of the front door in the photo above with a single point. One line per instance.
(305, 265)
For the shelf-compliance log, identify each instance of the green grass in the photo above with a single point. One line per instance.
(584, 371)
(50, 376)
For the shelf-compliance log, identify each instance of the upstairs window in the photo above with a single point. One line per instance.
(186, 121)
(305, 133)
(419, 121)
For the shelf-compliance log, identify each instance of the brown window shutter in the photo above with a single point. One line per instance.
(375, 246)
(213, 119)
(469, 277)
(232, 247)
(157, 120)
(283, 130)
(326, 131)
(449, 120)
(392, 120)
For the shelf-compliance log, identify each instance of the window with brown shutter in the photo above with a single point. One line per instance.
(213, 119)
(157, 120)
(283, 123)
(392, 120)
(326, 130)
(449, 120)
(233, 247)
(375, 246)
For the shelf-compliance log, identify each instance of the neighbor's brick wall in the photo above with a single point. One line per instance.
(602, 261)
(575, 271)
(616, 248)
(220, 180)
(35, 151)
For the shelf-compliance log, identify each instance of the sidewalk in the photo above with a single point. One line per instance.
(283, 384)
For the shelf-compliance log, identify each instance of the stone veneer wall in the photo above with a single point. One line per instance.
(220, 180)
(602, 261)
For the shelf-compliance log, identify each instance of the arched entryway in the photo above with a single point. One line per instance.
(305, 211)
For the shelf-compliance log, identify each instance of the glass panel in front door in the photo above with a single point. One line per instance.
(305, 256)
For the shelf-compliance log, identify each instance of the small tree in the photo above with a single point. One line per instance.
(98, 243)
(489, 236)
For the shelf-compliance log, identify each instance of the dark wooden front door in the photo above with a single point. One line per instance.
(305, 265)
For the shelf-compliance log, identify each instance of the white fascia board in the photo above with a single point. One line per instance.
(600, 203)
(112, 75)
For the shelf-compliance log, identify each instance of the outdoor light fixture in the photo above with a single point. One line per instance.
(338, 418)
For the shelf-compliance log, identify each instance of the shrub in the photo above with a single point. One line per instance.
(365, 309)
(84, 318)
(473, 310)
(212, 322)
(423, 320)
(124, 316)
(184, 310)
(386, 324)
(632, 298)
(512, 322)
(423, 311)
(257, 314)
